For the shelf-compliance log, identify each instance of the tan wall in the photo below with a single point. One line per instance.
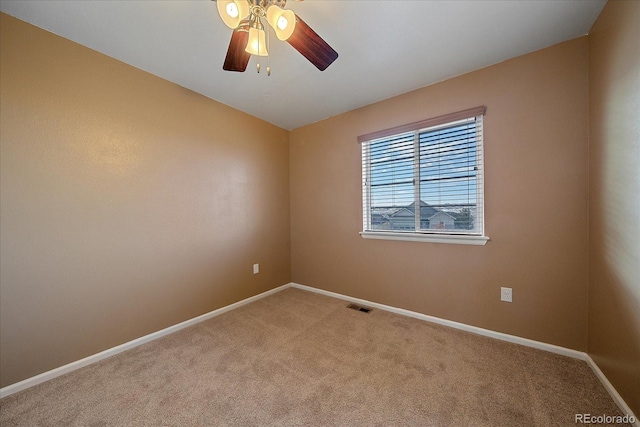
(536, 137)
(128, 204)
(614, 256)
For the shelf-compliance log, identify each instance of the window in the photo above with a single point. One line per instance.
(424, 180)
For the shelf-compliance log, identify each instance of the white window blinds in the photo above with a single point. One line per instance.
(425, 177)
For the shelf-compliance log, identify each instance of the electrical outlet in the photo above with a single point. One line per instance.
(506, 294)
(256, 268)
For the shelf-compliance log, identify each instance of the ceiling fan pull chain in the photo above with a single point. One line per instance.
(258, 63)
(268, 48)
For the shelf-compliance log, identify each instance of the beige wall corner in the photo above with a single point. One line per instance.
(614, 160)
(128, 203)
(536, 160)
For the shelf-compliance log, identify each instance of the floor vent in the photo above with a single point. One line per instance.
(359, 308)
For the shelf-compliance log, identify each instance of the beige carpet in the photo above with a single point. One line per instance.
(297, 358)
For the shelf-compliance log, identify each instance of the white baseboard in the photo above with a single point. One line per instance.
(493, 334)
(46, 376)
(612, 391)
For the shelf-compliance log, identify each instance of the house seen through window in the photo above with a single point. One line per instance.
(425, 178)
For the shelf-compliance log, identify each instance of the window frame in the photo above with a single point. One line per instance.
(423, 235)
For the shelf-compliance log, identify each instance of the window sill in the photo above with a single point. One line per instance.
(432, 238)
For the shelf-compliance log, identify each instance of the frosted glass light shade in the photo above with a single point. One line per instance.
(256, 44)
(282, 21)
(233, 11)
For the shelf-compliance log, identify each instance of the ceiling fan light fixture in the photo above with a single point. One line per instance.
(233, 11)
(256, 44)
(249, 37)
(282, 21)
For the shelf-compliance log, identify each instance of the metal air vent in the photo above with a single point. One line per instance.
(359, 308)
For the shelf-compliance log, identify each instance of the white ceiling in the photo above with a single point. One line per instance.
(386, 47)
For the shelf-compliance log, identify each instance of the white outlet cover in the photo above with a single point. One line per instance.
(506, 294)
(256, 268)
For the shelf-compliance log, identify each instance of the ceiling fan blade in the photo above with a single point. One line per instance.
(237, 58)
(312, 46)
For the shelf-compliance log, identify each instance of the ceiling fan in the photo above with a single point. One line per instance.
(248, 37)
